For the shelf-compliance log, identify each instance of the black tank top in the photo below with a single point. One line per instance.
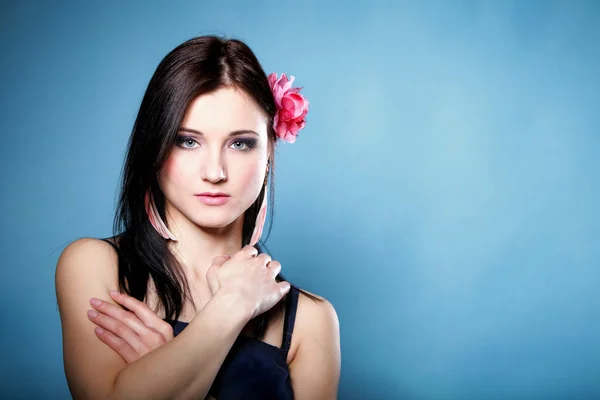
(254, 369)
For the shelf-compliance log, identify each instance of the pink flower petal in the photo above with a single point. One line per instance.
(289, 138)
(288, 83)
(293, 103)
(281, 128)
(281, 81)
(293, 128)
(292, 107)
(272, 79)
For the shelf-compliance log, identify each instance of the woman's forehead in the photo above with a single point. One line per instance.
(224, 111)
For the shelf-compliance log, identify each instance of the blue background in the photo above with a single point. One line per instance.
(443, 196)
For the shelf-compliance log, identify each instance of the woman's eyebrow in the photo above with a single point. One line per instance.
(234, 133)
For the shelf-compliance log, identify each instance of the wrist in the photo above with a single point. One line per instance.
(233, 305)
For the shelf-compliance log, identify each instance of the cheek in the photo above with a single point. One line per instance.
(252, 176)
(177, 170)
(170, 168)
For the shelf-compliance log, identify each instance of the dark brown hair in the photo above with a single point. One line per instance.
(196, 67)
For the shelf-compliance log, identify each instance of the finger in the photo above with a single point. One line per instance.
(145, 315)
(126, 352)
(274, 267)
(212, 279)
(249, 251)
(264, 258)
(283, 287)
(119, 329)
(119, 314)
(220, 260)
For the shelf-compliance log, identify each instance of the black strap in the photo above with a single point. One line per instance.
(114, 246)
(290, 318)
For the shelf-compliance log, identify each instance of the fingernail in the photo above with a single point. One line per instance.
(114, 293)
(99, 330)
(92, 313)
(95, 301)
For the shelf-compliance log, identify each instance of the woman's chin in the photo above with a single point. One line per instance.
(214, 222)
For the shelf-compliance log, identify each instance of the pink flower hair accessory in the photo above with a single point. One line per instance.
(292, 107)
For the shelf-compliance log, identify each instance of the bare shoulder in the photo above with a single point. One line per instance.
(88, 247)
(87, 258)
(316, 312)
(316, 322)
(87, 267)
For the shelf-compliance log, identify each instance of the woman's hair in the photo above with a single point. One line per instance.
(198, 66)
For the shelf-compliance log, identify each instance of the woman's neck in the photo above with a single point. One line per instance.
(196, 247)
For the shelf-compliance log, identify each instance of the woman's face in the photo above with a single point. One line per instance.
(222, 147)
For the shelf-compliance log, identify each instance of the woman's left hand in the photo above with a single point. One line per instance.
(132, 334)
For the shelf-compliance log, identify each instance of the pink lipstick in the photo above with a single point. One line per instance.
(213, 199)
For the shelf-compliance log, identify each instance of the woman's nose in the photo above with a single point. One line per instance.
(213, 167)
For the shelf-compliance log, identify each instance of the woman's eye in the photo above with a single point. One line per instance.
(186, 142)
(243, 145)
(238, 145)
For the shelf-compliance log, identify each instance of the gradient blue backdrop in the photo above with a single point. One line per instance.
(443, 196)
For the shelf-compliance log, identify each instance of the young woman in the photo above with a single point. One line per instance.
(181, 303)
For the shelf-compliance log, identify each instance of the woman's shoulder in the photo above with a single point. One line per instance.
(314, 310)
(88, 249)
(87, 259)
(317, 324)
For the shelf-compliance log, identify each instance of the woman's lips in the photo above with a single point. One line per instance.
(213, 199)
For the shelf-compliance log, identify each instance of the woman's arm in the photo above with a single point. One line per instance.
(315, 370)
(185, 367)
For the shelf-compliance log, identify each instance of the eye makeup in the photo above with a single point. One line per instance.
(241, 143)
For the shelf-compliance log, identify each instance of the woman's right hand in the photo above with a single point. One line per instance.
(250, 276)
(132, 334)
